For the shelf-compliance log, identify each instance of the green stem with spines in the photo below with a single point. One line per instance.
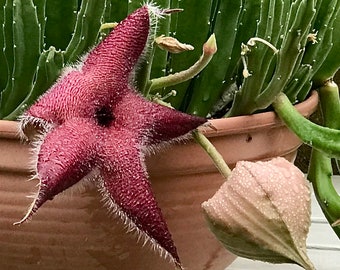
(61, 18)
(299, 80)
(156, 60)
(262, 57)
(86, 30)
(8, 44)
(247, 25)
(49, 68)
(288, 58)
(290, 54)
(118, 10)
(327, 71)
(40, 6)
(160, 58)
(3, 66)
(317, 53)
(22, 41)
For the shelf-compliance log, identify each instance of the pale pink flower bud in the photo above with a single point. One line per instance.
(262, 212)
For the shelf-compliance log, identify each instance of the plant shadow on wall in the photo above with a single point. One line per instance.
(132, 93)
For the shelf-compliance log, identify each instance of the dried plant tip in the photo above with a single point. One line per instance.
(105, 26)
(312, 37)
(172, 45)
(252, 42)
(171, 10)
(336, 223)
(262, 212)
(244, 49)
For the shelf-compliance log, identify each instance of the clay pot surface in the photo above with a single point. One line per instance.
(74, 230)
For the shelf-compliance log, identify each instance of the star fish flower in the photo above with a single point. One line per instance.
(93, 121)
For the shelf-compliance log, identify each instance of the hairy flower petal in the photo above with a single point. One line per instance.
(120, 51)
(105, 72)
(153, 122)
(65, 156)
(128, 192)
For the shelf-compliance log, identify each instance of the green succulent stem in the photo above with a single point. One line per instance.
(320, 174)
(320, 170)
(324, 139)
(325, 143)
(143, 83)
(216, 157)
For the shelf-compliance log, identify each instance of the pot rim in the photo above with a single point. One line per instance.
(216, 127)
(248, 123)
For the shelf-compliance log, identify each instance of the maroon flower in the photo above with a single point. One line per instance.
(94, 122)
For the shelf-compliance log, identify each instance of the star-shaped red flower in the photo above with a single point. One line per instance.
(94, 122)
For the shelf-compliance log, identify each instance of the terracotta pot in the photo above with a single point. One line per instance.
(74, 231)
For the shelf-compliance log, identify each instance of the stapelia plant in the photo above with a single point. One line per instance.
(92, 121)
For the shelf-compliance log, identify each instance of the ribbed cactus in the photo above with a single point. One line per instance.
(38, 38)
(286, 24)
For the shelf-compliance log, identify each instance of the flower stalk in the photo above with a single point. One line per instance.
(209, 49)
(213, 153)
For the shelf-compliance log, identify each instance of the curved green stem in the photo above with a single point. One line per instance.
(324, 139)
(320, 170)
(209, 49)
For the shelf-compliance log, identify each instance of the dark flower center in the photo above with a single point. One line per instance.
(104, 116)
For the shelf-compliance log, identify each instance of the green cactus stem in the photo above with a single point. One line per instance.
(22, 49)
(321, 138)
(320, 171)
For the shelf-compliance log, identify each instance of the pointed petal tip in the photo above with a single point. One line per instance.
(210, 47)
(164, 247)
(31, 210)
(120, 51)
(30, 126)
(128, 194)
